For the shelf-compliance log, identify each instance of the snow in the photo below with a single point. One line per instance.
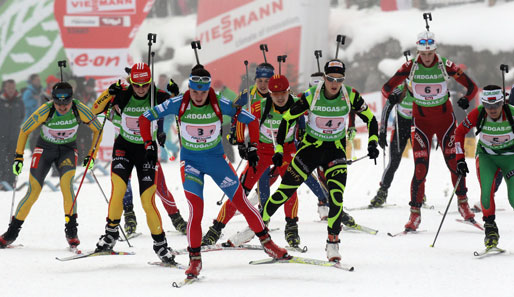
(384, 266)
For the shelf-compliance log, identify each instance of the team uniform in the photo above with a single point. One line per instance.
(432, 113)
(324, 145)
(56, 144)
(400, 135)
(201, 154)
(494, 156)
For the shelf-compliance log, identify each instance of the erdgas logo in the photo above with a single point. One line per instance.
(328, 108)
(428, 76)
(199, 116)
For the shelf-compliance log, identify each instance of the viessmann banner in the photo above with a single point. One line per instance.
(96, 34)
(231, 31)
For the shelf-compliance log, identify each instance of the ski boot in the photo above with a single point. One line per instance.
(323, 210)
(491, 232)
(108, 240)
(464, 210)
(11, 234)
(291, 232)
(178, 222)
(332, 248)
(273, 250)
(70, 229)
(160, 247)
(130, 221)
(379, 199)
(414, 219)
(213, 235)
(347, 220)
(195, 263)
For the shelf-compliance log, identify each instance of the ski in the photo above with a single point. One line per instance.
(405, 232)
(13, 246)
(186, 281)
(470, 222)
(93, 254)
(219, 247)
(368, 207)
(297, 249)
(488, 252)
(302, 260)
(171, 265)
(360, 228)
(131, 235)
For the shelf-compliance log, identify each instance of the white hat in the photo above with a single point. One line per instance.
(426, 41)
(491, 97)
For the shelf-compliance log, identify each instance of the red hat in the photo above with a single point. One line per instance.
(140, 74)
(51, 79)
(278, 83)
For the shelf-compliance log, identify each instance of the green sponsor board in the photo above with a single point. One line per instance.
(30, 40)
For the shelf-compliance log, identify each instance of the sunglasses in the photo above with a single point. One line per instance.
(200, 79)
(62, 102)
(140, 86)
(492, 105)
(334, 79)
(426, 41)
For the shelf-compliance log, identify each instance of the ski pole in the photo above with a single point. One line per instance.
(91, 158)
(107, 201)
(427, 16)
(248, 104)
(61, 64)
(281, 59)
(505, 69)
(264, 48)
(340, 39)
(446, 211)
(152, 38)
(219, 202)
(13, 197)
(269, 118)
(350, 162)
(317, 54)
(196, 46)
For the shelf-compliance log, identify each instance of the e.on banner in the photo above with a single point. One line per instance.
(96, 34)
(231, 31)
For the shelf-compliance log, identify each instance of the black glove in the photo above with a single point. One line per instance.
(278, 159)
(115, 88)
(172, 87)
(251, 154)
(395, 96)
(462, 167)
(463, 103)
(161, 138)
(372, 150)
(382, 139)
(242, 151)
(151, 152)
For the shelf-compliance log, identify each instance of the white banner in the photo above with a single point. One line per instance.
(101, 62)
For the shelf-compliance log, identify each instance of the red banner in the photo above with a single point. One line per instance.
(96, 34)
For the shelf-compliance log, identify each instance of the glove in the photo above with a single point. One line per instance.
(115, 88)
(462, 167)
(252, 157)
(17, 165)
(382, 140)
(172, 87)
(151, 152)
(91, 164)
(161, 138)
(242, 98)
(372, 150)
(242, 151)
(395, 96)
(278, 159)
(463, 103)
(351, 133)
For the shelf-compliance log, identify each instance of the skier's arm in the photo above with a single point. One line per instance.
(170, 106)
(253, 124)
(101, 102)
(35, 120)
(87, 117)
(460, 133)
(461, 77)
(397, 78)
(296, 110)
(363, 111)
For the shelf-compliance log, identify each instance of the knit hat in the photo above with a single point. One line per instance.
(426, 41)
(264, 70)
(278, 83)
(335, 66)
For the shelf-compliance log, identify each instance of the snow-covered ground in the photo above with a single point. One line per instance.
(384, 266)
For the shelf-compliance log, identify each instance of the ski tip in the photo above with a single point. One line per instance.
(390, 234)
(476, 254)
(351, 268)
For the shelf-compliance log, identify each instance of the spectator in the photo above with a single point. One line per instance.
(11, 115)
(51, 80)
(31, 95)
